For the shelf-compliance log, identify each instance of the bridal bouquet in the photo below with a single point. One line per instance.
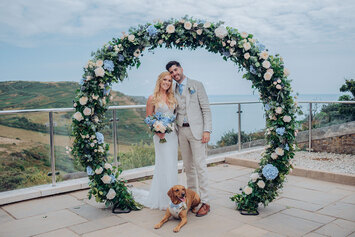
(160, 123)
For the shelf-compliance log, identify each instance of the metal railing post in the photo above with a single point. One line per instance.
(114, 131)
(51, 140)
(310, 128)
(239, 128)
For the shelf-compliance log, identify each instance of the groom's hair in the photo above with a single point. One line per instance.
(172, 63)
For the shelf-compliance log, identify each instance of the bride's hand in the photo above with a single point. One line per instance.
(161, 135)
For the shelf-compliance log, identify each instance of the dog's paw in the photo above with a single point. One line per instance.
(157, 226)
(176, 229)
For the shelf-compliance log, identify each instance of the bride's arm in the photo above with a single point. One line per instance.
(149, 109)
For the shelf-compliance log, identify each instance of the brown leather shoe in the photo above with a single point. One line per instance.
(205, 208)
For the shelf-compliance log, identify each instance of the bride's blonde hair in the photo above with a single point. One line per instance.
(170, 94)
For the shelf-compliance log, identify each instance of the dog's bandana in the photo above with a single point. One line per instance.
(175, 209)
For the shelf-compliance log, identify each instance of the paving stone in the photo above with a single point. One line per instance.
(91, 213)
(97, 224)
(80, 195)
(287, 225)
(126, 230)
(312, 184)
(220, 173)
(40, 224)
(5, 217)
(41, 206)
(92, 202)
(340, 209)
(311, 216)
(350, 199)
(231, 186)
(337, 228)
(247, 231)
(298, 204)
(59, 233)
(314, 234)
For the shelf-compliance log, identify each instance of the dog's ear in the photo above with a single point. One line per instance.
(171, 193)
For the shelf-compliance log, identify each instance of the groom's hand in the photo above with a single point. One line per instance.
(205, 137)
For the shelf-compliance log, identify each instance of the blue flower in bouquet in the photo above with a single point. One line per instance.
(82, 81)
(159, 115)
(152, 31)
(108, 65)
(252, 70)
(147, 120)
(267, 107)
(89, 171)
(113, 178)
(107, 90)
(109, 48)
(280, 131)
(270, 172)
(120, 58)
(166, 121)
(260, 46)
(287, 148)
(100, 137)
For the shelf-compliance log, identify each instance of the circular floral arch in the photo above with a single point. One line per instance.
(110, 64)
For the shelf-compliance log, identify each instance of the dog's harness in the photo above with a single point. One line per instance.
(175, 209)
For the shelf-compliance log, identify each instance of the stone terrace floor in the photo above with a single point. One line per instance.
(306, 207)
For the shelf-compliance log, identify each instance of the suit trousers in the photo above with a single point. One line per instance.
(194, 155)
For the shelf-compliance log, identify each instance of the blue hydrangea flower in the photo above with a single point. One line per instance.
(89, 171)
(159, 115)
(280, 131)
(252, 70)
(267, 107)
(120, 58)
(107, 89)
(113, 178)
(100, 137)
(147, 120)
(82, 81)
(287, 148)
(270, 172)
(108, 65)
(260, 46)
(152, 31)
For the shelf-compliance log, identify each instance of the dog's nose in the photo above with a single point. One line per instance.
(183, 195)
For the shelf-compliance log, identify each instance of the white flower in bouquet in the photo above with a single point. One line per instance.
(200, 42)
(96, 119)
(244, 35)
(170, 29)
(279, 81)
(95, 141)
(88, 78)
(270, 70)
(177, 41)
(246, 56)
(161, 41)
(103, 101)
(274, 156)
(221, 32)
(266, 64)
(137, 53)
(233, 43)
(278, 86)
(108, 166)
(131, 38)
(92, 144)
(207, 25)
(195, 24)
(246, 46)
(75, 105)
(106, 179)
(78, 116)
(286, 119)
(252, 40)
(94, 97)
(99, 63)
(231, 50)
(261, 184)
(83, 100)
(286, 72)
(278, 110)
(99, 72)
(102, 85)
(101, 149)
(199, 31)
(187, 25)
(111, 194)
(267, 76)
(116, 49)
(223, 44)
(254, 177)
(87, 136)
(159, 127)
(279, 151)
(87, 111)
(264, 55)
(99, 170)
(275, 83)
(93, 136)
(248, 190)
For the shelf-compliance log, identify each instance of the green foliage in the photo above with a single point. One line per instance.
(140, 155)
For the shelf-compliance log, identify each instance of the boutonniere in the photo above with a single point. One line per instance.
(192, 90)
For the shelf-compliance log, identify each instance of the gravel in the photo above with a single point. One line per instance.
(331, 162)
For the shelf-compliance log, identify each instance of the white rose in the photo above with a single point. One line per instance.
(261, 184)
(252, 40)
(231, 50)
(275, 83)
(286, 119)
(170, 29)
(187, 25)
(137, 53)
(199, 31)
(108, 166)
(267, 76)
(159, 127)
(88, 78)
(264, 55)
(131, 38)
(95, 97)
(75, 105)
(278, 86)
(246, 46)
(93, 136)
(99, 72)
(106, 179)
(266, 64)
(207, 25)
(102, 85)
(278, 110)
(116, 48)
(246, 56)
(111, 194)
(221, 32)
(254, 176)
(270, 70)
(99, 170)
(99, 63)
(279, 151)
(96, 119)
(248, 190)
(160, 41)
(279, 81)
(78, 116)
(87, 111)
(195, 24)
(223, 44)
(274, 156)
(101, 149)
(87, 136)
(92, 144)
(83, 100)
(232, 43)
(244, 35)
(286, 72)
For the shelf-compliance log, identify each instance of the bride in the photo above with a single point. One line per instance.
(166, 154)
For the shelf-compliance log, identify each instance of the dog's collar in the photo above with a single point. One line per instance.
(181, 205)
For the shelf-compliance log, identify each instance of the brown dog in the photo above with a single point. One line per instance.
(182, 200)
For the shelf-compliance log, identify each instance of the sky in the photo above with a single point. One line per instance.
(52, 40)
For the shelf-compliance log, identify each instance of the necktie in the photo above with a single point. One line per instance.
(180, 88)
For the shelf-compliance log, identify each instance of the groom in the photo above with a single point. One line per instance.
(194, 125)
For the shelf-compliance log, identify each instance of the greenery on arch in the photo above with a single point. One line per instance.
(109, 65)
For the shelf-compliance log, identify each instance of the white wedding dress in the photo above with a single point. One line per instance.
(166, 170)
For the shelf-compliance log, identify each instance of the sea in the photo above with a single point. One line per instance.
(225, 117)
